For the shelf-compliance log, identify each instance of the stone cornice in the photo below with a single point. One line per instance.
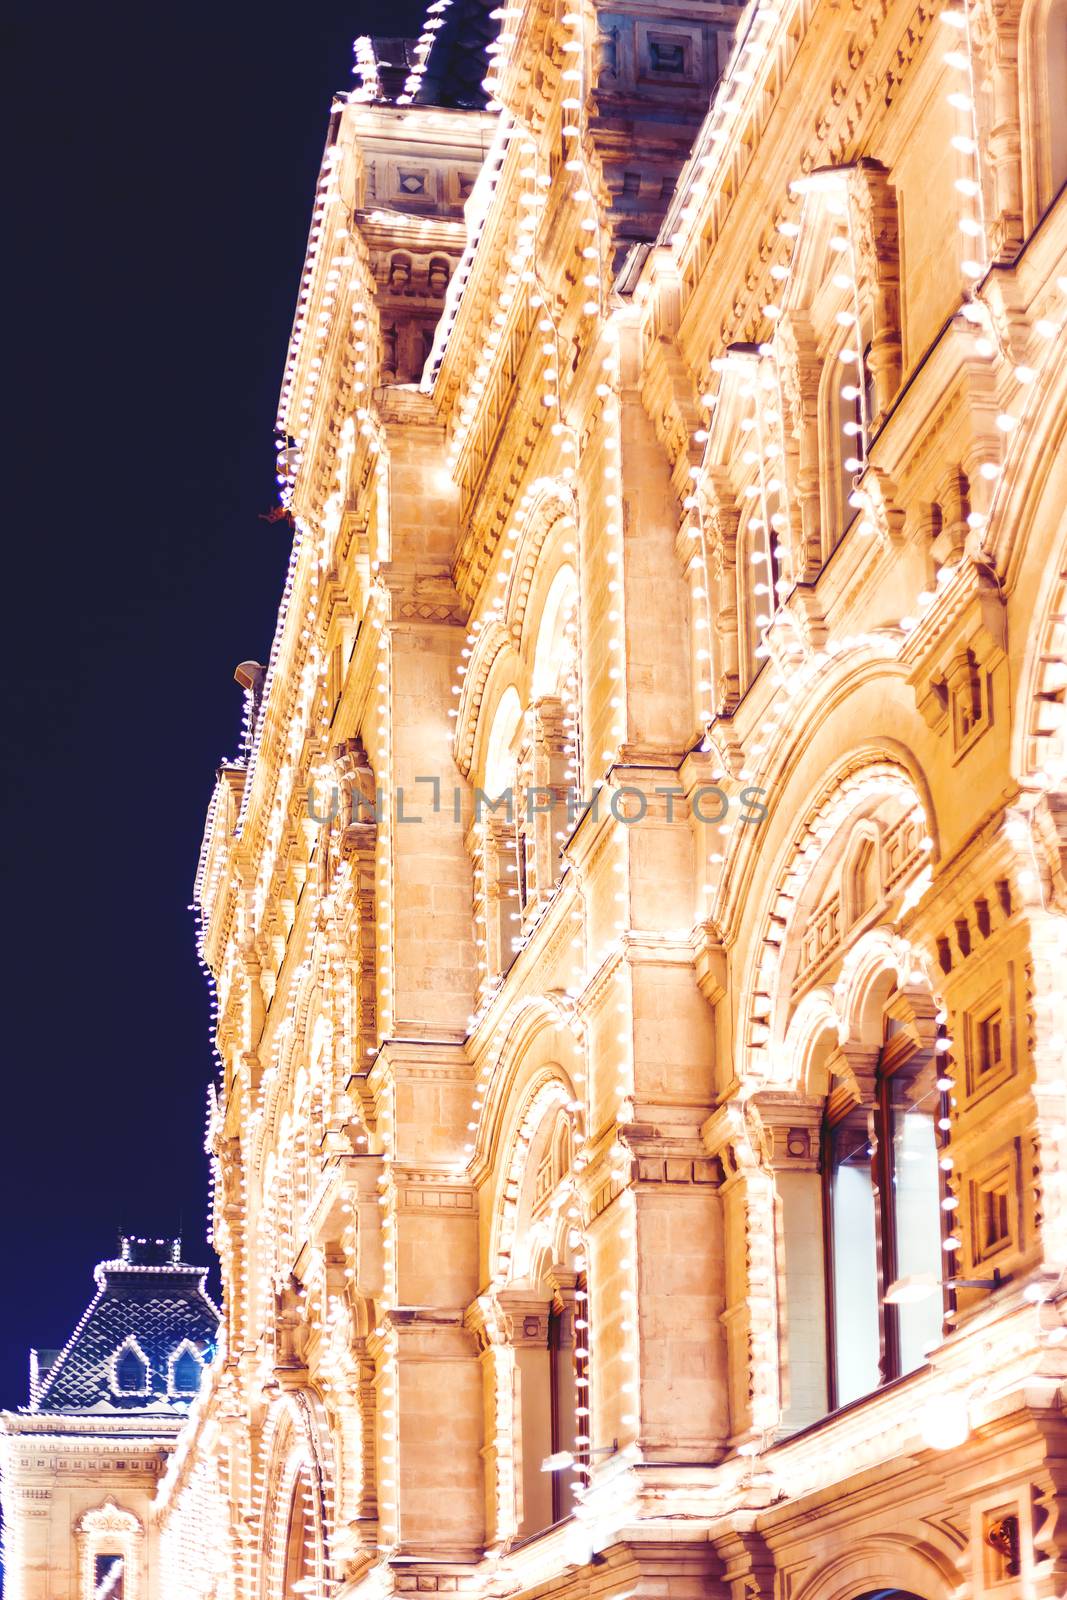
(97, 1432)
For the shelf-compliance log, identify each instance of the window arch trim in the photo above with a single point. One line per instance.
(129, 1346)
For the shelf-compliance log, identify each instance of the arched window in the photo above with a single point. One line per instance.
(546, 1304)
(129, 1369)
(298, 1578)
(862, 888)
(883, 1220)
(186, 1369)
(110, 1541)
(888, 1594)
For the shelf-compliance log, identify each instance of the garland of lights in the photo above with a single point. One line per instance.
(188, 1556)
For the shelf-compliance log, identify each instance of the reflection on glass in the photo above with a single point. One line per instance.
(108, 1577)
(855, 1261)
(913, 1104)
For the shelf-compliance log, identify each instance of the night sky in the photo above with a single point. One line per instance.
(164, 165)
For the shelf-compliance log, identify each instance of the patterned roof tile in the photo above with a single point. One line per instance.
(150, 1316)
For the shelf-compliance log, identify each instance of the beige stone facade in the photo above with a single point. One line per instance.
(81, 1463)
(78, 1499)
(705, 1142)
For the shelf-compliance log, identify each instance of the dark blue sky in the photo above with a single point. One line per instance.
(160, 169)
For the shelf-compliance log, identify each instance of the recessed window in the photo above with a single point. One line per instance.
(989, 1035)
(853, 1259)
(885, 1225)
(130, 1370)
(913, 1249)
(995, 1229)
(863, 880)
(667, 57)
(108, 1576)
(992, 1211)
(552, 1359)
(987, 1043)
(186, 1372)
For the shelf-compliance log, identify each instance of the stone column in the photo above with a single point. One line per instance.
(503, 912)
(799, 371)
(720, 521)
(794, 1127)
(527, 1329)
(439, 1470)
(875, 226)
(545, 817)
(487, 1320)
(996, 25)
(358, 846)
(429, 954)
(751, 1314)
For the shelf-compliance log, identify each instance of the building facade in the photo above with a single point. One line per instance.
(80, 1465)
(638, 913)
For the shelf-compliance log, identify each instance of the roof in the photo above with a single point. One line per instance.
(444, 67)
(141, 1345)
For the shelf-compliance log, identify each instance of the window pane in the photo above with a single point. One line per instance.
(913, 1104)
(855, 1261)
(108, 1577)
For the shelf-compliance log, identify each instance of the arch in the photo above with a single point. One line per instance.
(757, 574)
(185, 1369)
(485, 646)
(878, 962)
(538, 1030)
(535, 1065)
(869, 779)
(840, 412)
(536, 1262)
(888, 1564)
(292, 1034)
(1025, 541)
(109, 1540)
(815, 1022)
(298, 1479)
(861, 873)
(539, 544)
(511, 1249)
(129, 1369)
(547, 516)
(298, 1565)
(551, 650)
(803, 759)
(498, 766)
(861, 1055)
(1039, 730)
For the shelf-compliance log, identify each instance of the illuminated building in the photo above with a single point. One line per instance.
(79, 1467)
(707, 1144)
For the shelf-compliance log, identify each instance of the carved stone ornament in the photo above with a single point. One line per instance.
(875, 495)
